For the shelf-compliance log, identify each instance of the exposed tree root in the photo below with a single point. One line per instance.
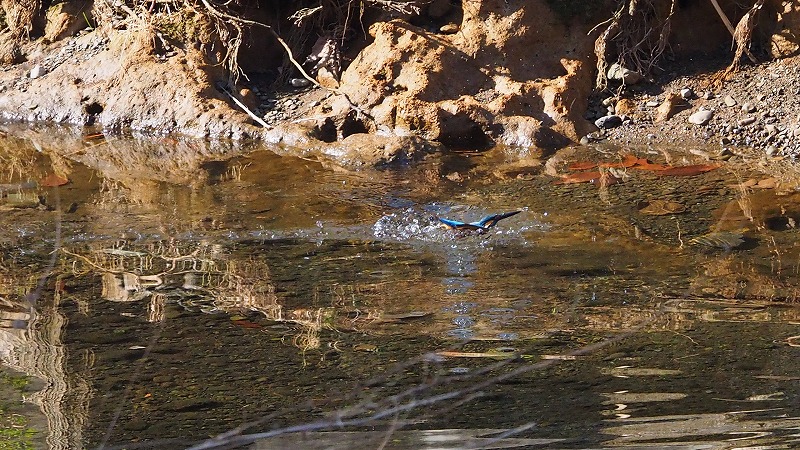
(640, 32)
(742, 35)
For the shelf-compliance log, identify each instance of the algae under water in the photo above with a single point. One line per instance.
(159, 302)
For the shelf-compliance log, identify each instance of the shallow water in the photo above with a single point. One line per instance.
(161, 303)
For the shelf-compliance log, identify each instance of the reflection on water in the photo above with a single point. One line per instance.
(196, 290)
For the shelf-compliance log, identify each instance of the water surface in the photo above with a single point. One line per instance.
(174, 292)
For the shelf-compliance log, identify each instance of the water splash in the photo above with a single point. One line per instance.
(410, 224)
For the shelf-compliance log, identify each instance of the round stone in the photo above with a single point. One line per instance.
(701, 117)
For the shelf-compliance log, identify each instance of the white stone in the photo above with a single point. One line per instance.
(627, 76)
(701, 117)
(299, 82)
(36, 72)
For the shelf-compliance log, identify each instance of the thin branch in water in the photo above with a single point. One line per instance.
(253, 115)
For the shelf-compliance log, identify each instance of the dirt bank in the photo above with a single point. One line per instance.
(381, 82)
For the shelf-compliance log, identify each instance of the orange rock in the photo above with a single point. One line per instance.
(669, 107)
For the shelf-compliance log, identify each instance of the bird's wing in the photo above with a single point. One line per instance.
(456, 225)
(491, 220)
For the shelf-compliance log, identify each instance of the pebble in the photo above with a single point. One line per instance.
(748, 107)
(746, 121)
(652, 104)
(606, 122)
(701, 117)
(729, 101)
(687, 93)
(449, 28)
(771, 150)
(299, 82)
(707, 95)
(36, 72)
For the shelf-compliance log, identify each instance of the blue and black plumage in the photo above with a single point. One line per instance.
(480, 226)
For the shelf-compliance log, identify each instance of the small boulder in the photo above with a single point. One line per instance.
(626, 106)
(327, 79)
(607, 122)
(299, 82)
(627, 76)
(64, 19)
(669, 107)
(701, 117)
(36, 72)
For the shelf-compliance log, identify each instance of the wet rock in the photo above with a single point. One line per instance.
(607, 122)
(620, 73)
(523, 131)
(129, 89)
(365, 150)
(701, 117)
(299, 82)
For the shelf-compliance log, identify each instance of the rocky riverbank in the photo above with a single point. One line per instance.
(416, 78)
(759, 109)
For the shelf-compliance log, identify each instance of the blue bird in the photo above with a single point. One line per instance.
(480, 226)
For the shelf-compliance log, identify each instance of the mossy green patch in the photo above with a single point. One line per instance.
(18, 383)
(15, 432)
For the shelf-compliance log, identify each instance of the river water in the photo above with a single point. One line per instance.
(159, 300)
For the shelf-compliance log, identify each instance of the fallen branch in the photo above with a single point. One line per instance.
(219, 14)
(222, 15)
(253, 115)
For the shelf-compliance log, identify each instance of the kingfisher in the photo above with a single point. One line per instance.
(480, 226)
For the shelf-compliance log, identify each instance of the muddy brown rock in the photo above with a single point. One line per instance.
(66, 19)
(626, 106)
(671, 105)
(450, 88)
(123, 86)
